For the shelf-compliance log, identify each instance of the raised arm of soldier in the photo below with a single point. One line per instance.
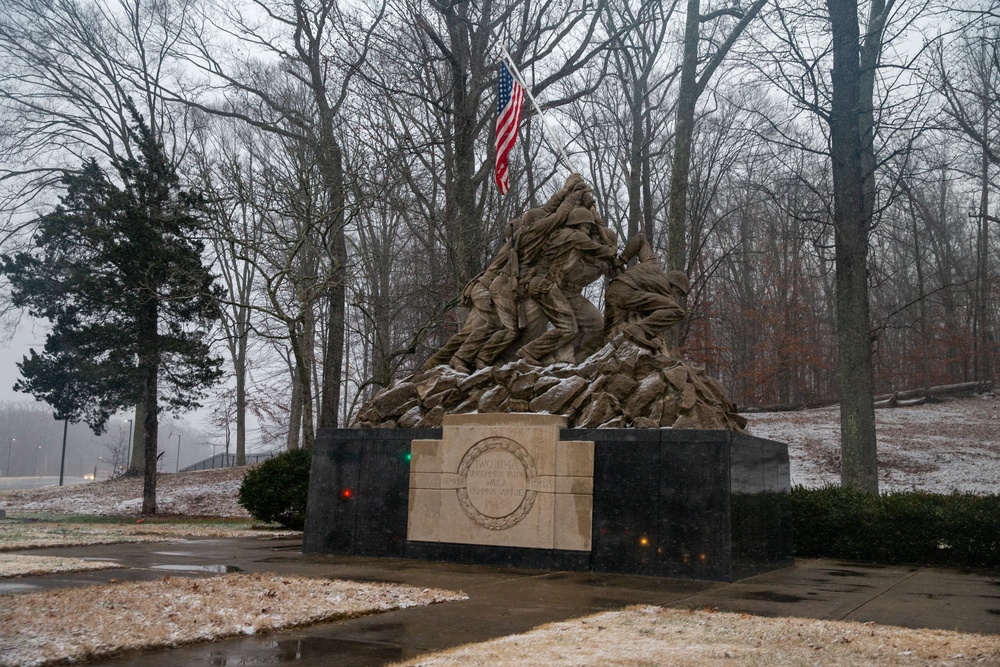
(533, 233)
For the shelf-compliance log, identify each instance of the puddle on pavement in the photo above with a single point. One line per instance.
(846, 573)
(7, 588)
(182, 554)
(993, 611)
(308, 651)
(373, 628)
(770, 596)
(215, 569)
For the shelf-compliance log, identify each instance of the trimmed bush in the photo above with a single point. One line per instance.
(905, 527)
(277, 489)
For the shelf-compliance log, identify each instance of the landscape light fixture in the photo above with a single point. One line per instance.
(10, 446)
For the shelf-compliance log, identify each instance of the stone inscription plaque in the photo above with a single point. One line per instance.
(505, 480)
(495, 492)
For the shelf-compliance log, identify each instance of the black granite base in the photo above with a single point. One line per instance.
(688, 504)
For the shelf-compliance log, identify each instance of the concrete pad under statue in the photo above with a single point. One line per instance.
(502, 480)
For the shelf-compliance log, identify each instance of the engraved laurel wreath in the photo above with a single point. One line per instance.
(522, 455)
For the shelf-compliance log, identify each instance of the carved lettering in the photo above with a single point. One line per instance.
(495, 474)
(496, 483)
(541, 484)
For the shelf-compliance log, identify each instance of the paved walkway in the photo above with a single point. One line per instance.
(505, 601)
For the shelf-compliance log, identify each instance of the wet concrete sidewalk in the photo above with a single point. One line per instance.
(506, 601)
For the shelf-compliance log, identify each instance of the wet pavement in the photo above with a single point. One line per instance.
(507, 601)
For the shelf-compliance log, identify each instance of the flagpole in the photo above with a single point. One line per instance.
(546, 130)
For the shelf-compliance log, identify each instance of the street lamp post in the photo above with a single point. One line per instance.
(62, 460)
(178, 468)
(34, 463)
(10, 445)
(128, 463)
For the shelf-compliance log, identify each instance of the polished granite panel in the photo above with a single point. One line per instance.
(358, 491)
(760, 503)
(694, 508)
(626, 464)
(688, 504)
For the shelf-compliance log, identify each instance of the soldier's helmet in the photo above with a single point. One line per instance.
(679, 279)
(580, 217)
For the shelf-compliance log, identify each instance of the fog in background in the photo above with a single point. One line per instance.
(31, 440)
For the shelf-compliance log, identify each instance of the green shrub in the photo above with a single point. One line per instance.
(904, 527)
(277, 489)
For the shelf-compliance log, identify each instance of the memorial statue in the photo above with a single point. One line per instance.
(532, 342)
(647, 293)
(551, 254)
(461, 349)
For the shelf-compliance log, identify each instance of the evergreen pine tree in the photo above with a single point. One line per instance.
(118, 272)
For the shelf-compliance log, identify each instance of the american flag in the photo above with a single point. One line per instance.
(510, 99)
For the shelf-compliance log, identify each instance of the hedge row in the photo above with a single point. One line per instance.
(906, 527)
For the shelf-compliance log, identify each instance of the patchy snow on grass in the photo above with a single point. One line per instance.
(938, 448)
(72, 625)
(20, 566)
(202, 493)
(30, 534)
(646, 635)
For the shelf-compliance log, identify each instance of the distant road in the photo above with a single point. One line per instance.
(11, 483)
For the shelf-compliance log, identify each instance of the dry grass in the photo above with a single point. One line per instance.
(71, 625)
(21, 534)
(657, 636)
(21, 566)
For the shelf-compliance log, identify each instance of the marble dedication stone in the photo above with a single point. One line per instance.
(503, 480)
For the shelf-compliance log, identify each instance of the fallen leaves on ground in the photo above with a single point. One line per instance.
(20, 566)
(71, 625)
(649, 635)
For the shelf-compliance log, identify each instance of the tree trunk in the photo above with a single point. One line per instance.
(635, 165)
(683, 134)
(859, 464)
(918, 264)
(240, 368)
(470, 233)
(138, 453)
(294, 412)
(982, 368)
(149, 361)
(647, 186)
(333, 356)
(301, 350)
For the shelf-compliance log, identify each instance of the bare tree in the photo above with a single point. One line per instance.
(320, 52)
(692, 85)
(967, 74)
(236, 241)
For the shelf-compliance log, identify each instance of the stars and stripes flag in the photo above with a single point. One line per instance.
(509, 102)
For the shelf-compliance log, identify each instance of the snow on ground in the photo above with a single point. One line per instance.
(638, 636)
(62, 626)
(16, 565)
(35, 533)
(202, 493)
(941, 447)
